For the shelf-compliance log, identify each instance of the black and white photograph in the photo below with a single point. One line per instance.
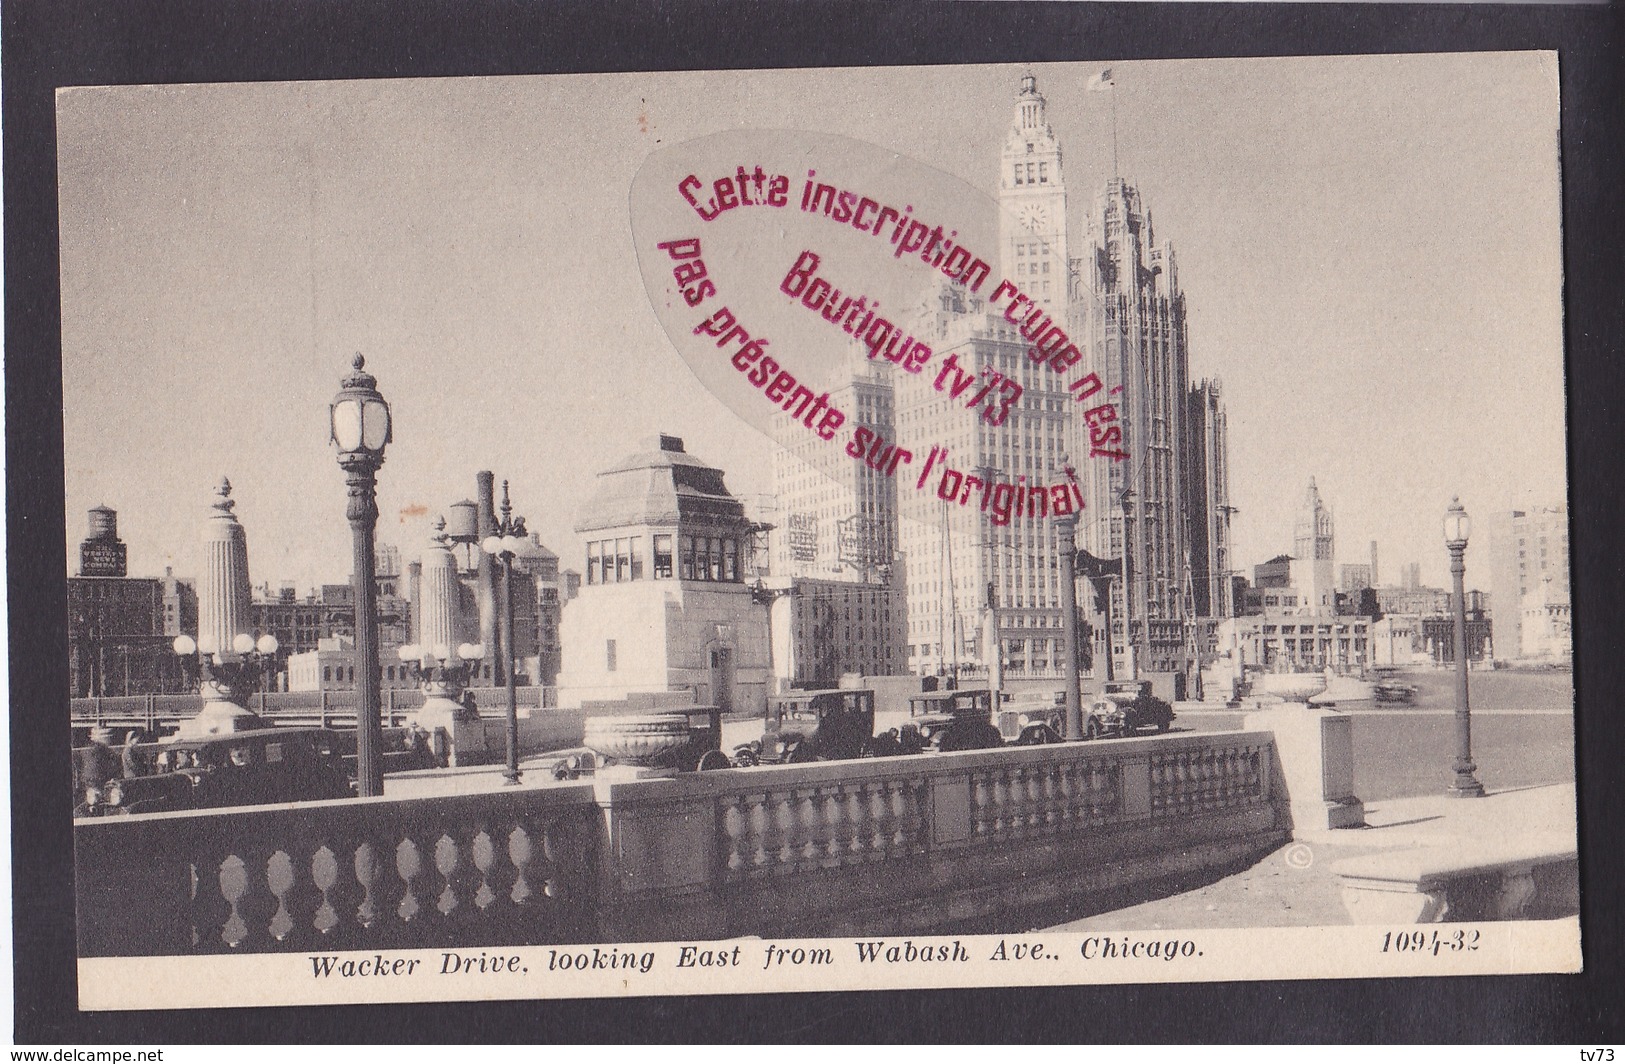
(759, 531)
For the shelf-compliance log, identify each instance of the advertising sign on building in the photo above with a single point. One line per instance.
(802, 537)
(862, 542)
(101, 559)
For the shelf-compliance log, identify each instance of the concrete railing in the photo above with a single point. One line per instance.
(158, 714)
(870, 846)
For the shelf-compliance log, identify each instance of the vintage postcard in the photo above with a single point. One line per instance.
(780, 530)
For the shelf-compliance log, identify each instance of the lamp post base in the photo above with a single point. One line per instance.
(220, 717)
(1467, 787)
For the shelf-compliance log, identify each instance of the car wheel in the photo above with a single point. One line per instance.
(745, 757)
(1163, 725)
(1092, 731)
(712, 760)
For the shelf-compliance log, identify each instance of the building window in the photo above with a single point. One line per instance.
(662, 557)
(593, 550)
(609, 654)
(623, 562)
(688, 558)
(1018, 173)
(1043, 178)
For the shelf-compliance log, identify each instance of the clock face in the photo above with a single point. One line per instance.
(1034, 217)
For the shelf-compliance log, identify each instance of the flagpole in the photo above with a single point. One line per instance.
(1111, 90)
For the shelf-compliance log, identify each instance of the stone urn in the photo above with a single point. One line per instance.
(1291, 686)
(641, 741)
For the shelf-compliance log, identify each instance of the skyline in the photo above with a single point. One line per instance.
(294, 224)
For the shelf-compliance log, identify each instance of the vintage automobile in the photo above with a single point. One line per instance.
(259, 767)
(1040, 717)
(1134, 707)
(954, 720)
(1389, 690)
(687, 739)
(829, 725)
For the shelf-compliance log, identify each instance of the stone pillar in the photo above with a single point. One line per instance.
(223, 614)
(222, 587)
(437, 621)
(1314, 748)
(438, 592)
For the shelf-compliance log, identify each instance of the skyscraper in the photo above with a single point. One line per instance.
(837, 516)
(1138, 507)
(983, 590)
(983, 585)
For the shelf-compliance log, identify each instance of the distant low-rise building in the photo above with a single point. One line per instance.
(1285, 641)
(120, 627)
(824, 629)
(1418, 601)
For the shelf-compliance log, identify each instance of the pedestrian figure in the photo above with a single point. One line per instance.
(135, 761)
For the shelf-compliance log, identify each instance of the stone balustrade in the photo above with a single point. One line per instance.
(881, 845)
(367, 873)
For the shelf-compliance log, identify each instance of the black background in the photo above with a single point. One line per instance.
(49, 43)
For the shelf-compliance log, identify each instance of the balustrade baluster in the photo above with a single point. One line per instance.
(981, 794)
(483, 852)
(832, 819)
(759, 830)
(736, 826)
(784, 820)
(232, 879)
(879, 817)
(1001, 800)
(279, 877)
(522, 853)
(408, 866)
(1017, 811)
(855, 816)
(808, 820)
(1035, 796)
(901, 807)
(562, 859)
(446, 859)
(324, 875)
(369, 874)
(1068, 786)
(1052, 789)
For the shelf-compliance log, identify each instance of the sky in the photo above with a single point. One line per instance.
(1370, 250)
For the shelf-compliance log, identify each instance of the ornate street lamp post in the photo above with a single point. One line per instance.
(503, 545)
(226, 676)
(1456, 528)
(360, 428)
(1067, 532)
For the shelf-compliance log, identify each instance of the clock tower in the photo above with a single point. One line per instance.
(1032, 199)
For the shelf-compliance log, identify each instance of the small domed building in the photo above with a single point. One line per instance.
(665, 606)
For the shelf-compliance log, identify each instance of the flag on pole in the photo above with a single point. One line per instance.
(1102, 82)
